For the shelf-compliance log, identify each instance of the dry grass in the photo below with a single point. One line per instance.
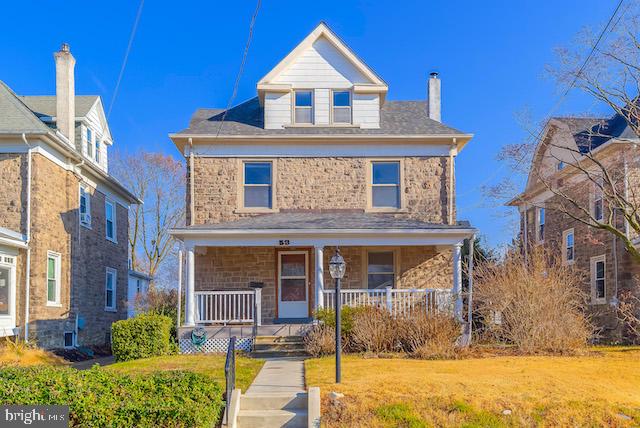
(212, 365)
(596, 390)
(539, 301)
(429, 336)
(373, 331)
(16, 352)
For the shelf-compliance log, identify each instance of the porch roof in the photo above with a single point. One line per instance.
(325, 227)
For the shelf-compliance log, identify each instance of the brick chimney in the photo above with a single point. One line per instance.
(433, 96)
(65, 93)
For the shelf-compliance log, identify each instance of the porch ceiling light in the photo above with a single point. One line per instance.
(337, 266)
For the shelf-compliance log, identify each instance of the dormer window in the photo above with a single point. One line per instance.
(303, 107)
(89, 143)
(97, 150)
(341, 107)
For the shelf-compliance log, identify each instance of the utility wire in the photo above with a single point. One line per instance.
(560, 100)
(242, 64)
(126, 57)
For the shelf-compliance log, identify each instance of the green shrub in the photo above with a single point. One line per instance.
(144, 336)
(103, 398)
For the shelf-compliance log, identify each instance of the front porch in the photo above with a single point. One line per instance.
(273, 269)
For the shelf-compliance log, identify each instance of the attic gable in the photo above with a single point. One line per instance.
(322, 59)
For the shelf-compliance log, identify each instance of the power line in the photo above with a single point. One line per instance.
(126, 57)
(242, 64)
(560, 100)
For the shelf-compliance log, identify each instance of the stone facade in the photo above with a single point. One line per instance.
(13, 172)
(621, 272)
(84, 255)
(233, 268)
(320, 183)
(338, 183)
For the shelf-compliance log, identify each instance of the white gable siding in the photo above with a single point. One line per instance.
(94, 122)
(321, 66)
(366, 110)
(277, 110)
(321, 107)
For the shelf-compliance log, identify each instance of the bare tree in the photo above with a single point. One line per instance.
(158, 180)
(573, 173)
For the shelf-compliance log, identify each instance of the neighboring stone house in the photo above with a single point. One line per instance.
(63, 218)
(318, 159)
(608, 268)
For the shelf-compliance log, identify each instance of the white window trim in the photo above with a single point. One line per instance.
(73, 339)
(565, 247)
(396, 260)
(540, 237)
(370, 186)
(331, 107)
(312, 107)
(114, 238)
(596, 190)
(8, 321)
(240, 203)
(598, 300)
(114, 273)
(87, 193)
(58, 258)
(89, 141)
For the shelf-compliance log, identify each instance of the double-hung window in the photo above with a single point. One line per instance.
(110, 220)
(97, 150)
(380, 269)
(341, 107)
(89, 143)
(569, 246)
(111, 280)
(53, 278)
(598, 279)
(541, 219)
(303, 107)
(85, 207)
(385, 184)
(598, 204)
(258, 185)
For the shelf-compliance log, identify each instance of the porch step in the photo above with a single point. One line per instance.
(278, 346)
(274, 402)
(272, 418)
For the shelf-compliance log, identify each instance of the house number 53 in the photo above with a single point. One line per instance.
(284, 242)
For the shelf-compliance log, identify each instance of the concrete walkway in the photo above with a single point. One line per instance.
(279, 376)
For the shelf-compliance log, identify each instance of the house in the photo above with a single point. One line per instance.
(548, 219)
(137, 288)
(319, 159)
(63, 218)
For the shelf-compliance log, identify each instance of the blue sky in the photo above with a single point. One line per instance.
(490, 55)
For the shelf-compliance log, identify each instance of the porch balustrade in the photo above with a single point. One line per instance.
(228, 306)
(398, 302)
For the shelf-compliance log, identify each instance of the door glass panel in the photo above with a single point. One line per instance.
(293, 265)
(4, 290)
(292, 290)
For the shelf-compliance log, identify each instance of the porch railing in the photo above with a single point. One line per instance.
(398, 301)
(228, 306)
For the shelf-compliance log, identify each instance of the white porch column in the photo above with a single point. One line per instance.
(190, 316)
(319, 252)
(457, 280)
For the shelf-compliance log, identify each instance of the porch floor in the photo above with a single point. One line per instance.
(246, 330)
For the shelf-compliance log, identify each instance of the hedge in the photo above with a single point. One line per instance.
(102, 398)
(144, 336)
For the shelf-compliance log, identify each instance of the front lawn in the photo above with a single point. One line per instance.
(601, 389)
(212, 365)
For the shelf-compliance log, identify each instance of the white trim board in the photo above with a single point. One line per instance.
(321, 150)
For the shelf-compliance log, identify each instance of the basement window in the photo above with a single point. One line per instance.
(69, 339)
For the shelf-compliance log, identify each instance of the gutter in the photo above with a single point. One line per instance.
(298, 232)
(27, 280)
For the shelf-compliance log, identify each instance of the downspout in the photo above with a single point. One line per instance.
(76, 169)
(27, 280)
(191, 187)
(451, 182)
(526, 231)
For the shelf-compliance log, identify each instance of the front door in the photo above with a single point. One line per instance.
(293, 280)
